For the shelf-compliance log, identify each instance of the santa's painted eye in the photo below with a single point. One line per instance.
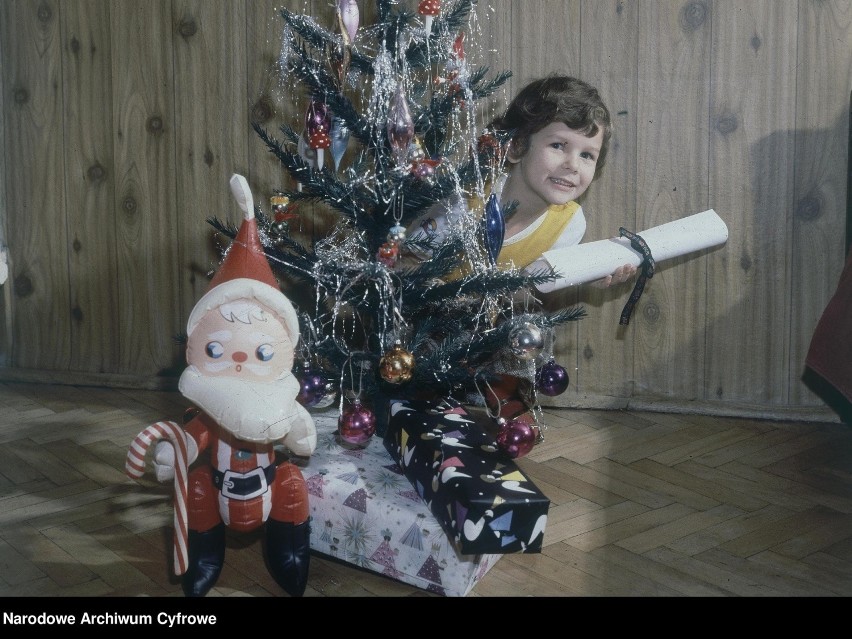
(215, 350)
(264, 352)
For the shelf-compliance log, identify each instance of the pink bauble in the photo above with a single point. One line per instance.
(516, 438)
(356, 424)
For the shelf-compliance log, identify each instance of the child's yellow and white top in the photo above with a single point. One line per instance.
(560, 226)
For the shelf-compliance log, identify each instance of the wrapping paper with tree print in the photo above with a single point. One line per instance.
(483, 500)
(366, 513)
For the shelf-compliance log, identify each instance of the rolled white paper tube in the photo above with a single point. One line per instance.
(591, 261)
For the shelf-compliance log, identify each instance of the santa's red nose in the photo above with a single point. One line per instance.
(239, 356)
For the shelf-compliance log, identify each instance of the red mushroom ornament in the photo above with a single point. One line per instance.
(318, 125)
(429, 9)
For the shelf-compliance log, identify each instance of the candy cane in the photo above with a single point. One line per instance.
(135, 467)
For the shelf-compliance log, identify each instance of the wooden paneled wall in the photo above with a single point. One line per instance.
(123, 120)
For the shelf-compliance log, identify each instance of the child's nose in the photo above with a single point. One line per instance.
(570, 162)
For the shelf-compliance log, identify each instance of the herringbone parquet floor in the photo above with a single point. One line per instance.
(642, 505)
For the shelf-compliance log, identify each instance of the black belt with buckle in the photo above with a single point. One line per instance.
(244, 486)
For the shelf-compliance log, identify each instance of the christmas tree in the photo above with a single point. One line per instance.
(399, 100)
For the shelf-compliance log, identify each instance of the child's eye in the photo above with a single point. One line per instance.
(588, 156)
(264, 352)
(215, 350)
(557, 145)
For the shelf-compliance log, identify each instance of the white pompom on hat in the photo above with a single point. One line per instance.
(245, 271)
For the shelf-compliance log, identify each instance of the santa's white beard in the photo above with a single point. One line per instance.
(259, 412)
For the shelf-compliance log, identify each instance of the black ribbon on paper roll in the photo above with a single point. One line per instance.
(646, 273)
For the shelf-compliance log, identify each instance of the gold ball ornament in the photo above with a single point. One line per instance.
(396, 365)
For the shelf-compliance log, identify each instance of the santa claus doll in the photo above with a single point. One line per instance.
(241, 337)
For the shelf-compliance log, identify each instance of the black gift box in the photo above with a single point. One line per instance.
(481, 498)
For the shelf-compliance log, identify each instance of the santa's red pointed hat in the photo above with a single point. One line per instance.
(245, 272)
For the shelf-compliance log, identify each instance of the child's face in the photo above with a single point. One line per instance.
(558, 167)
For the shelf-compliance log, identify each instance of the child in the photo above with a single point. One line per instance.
(560, 134)
(561, 131)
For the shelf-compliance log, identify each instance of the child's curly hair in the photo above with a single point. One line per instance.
(555, 98)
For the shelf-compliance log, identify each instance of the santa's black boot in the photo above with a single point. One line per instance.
(288, 551)
(206, 557)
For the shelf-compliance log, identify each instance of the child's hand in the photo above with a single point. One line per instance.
(619, 276)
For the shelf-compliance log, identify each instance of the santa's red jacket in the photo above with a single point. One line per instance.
(240, 484)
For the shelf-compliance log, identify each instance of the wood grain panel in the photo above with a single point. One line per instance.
(672, 114)
(35, 173)
(823, 88)
(609, 59)
(89, 184)
(211, 137)
(548, 41)
(752, 134)
(148, 258)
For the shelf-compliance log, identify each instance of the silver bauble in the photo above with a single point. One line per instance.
(526, 341)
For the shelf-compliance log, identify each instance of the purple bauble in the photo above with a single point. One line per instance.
(551, 379)
(356, 424)
(312, 388)
(516, 438)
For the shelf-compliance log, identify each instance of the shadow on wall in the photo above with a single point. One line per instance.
(745, 343)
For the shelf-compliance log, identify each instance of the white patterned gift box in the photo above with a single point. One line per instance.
(365, 512)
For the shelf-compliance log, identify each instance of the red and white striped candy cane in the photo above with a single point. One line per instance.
(135, 467)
